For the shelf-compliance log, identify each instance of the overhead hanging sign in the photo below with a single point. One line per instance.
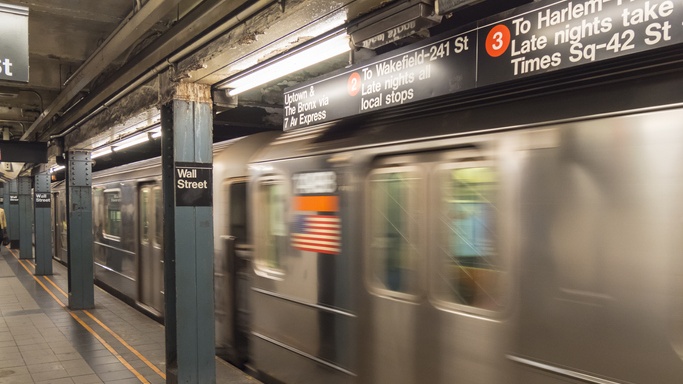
(13, 43)
(441, 67)
(564, 34)
(536, 38)
(404, 19)
(445, 6)
(23, 151)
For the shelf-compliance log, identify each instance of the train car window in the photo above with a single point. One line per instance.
(158, 216)
(144, 219)
(272, 233)
(467, 269)
(238, 211)
(112, 222)
(62, 225)
(394, 225)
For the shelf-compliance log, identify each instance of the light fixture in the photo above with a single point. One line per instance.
(155, 133)
(131, 141)
(56, 168)
(140, 138)
(303, 58)
(100, 152)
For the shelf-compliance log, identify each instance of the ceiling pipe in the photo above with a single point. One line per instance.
(37, 94)
(116, 44)
(166, 50)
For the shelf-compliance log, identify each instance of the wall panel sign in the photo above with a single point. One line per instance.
(42, 200)
(13, 43)
(532, 39)
(193, 184)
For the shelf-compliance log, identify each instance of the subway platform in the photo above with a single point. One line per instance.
(42, 341)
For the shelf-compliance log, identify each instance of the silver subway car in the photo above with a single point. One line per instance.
(527, 240)
(515, 236)
(127, 229)
(128, 237)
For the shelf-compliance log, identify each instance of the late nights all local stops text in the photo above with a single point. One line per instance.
(533, 39)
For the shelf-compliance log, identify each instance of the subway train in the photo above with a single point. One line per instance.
(528, 233)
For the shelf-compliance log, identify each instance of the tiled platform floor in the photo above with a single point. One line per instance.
(42, 341)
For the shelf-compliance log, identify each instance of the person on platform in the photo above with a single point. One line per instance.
(3, 226)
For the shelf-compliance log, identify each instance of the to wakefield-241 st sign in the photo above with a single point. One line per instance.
(529, 40)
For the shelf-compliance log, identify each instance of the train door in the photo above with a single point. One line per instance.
(433, 270)
(396, 228)
(231, 272)
(151, 261)
(59, 227)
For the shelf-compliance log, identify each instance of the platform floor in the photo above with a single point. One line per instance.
(42, 341)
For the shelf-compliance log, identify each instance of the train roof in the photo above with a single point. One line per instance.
(151, 168)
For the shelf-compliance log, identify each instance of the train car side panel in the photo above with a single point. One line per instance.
(303, 311)
(115, 247)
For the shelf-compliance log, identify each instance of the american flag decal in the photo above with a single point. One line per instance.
(317, 233)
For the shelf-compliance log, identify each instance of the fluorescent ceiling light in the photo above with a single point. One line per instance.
(56, 168)
(302, 59)
(156, 132)
(128, 142)
(100, 152)
(134, 140)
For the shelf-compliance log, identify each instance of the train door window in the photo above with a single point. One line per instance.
(112, 222)
(158, 216)
(467, 270)
(59, 211)
(62, 226)
(54, 213)
(144, 217)
(272, 233)
(238, 210)
(394, 217)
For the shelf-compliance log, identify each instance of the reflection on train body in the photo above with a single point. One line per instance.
(512, 242)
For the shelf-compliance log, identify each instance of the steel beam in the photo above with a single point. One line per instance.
(186, 124)
(79, 229)
(176, 44)
(109, 51)
(42, 203)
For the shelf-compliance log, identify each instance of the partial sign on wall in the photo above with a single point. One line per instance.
(13, 43)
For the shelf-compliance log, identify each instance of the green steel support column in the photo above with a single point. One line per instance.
(13, 214)
(186, 122)
(25, 219)
(42, 200)
(79, 229)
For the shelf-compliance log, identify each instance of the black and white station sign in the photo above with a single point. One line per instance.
(554, 35)
(529, 40)
(193, 184)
